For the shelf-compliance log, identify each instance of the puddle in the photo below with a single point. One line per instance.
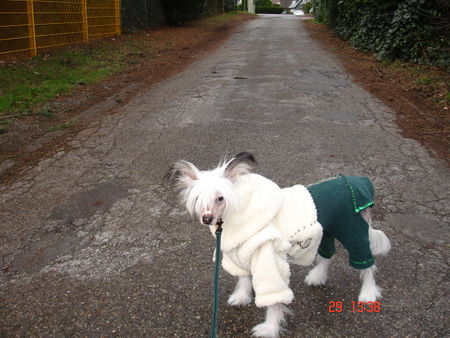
(38, 254)
(86, 203)
(55, 244)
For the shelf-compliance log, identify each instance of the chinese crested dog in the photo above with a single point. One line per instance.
(266, 228)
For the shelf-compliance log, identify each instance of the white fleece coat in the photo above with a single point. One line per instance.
(271, 228)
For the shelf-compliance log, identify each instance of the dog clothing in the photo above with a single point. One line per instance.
(339, 202)
(274, 227)
(271, 227)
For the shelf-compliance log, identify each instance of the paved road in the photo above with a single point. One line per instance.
(92, 243)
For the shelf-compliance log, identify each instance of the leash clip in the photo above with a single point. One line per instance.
(219, 225)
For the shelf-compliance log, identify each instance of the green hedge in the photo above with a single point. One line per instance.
(269, 10)
(230, 5)
(412, 30)
(141, 14)
(307, 7)
(177, 12)
(264, 3)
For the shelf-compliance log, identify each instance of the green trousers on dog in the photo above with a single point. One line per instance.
(339, 202)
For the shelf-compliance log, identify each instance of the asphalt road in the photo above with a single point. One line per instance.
(93, 244)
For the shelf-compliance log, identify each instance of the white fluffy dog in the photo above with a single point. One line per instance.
(265, 228)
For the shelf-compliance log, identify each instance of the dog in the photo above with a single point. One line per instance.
(266, 228)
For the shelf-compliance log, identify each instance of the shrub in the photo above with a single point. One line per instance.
(269, 10)
(177, 12)
(243, 6)
(413, 30)
(230, 5)
(141, 14)
(307, 7)
(263, 3)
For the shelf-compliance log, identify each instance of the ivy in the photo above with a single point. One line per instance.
(412, 30)
(177, 12)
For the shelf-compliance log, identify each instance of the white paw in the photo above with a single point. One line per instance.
(370, 294)
(239, 299)
(269, 330)
(316, 277)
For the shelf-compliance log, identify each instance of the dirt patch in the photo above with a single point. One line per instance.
(418, 94)
(31, 138)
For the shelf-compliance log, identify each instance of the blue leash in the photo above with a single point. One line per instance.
(216, 281)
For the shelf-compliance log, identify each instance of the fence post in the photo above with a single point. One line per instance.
(31, 30)
(117, 16)
(85, 20)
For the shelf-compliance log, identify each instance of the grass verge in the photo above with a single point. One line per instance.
(27, 84)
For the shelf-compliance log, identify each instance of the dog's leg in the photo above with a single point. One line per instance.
(319, 274)
(242, 294)
(370, 292)
(274, 320)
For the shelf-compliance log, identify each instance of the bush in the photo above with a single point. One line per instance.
(307, 7)
(177, 12)
(141, 14)
(269, 10)
(230, 5)
(413, 30)
(263, 3)
(242, 6)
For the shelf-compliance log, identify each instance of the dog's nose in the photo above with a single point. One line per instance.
(207, 219)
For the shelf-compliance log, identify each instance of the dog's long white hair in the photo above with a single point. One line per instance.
(209, 195)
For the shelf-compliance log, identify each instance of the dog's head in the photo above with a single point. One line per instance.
(209, 195)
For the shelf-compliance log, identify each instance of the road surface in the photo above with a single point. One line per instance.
(93, 244)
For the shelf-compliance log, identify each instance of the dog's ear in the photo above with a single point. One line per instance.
(183, 173)
(241, 164)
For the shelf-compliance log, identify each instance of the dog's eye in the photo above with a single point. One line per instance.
(220, 198)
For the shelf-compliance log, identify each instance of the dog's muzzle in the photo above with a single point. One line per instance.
(207, 219)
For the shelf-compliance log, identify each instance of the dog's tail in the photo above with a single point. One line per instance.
(379, 242)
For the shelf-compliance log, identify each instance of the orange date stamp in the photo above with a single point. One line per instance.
(338, 306)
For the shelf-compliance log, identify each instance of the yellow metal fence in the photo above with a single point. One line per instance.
(35, 26)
